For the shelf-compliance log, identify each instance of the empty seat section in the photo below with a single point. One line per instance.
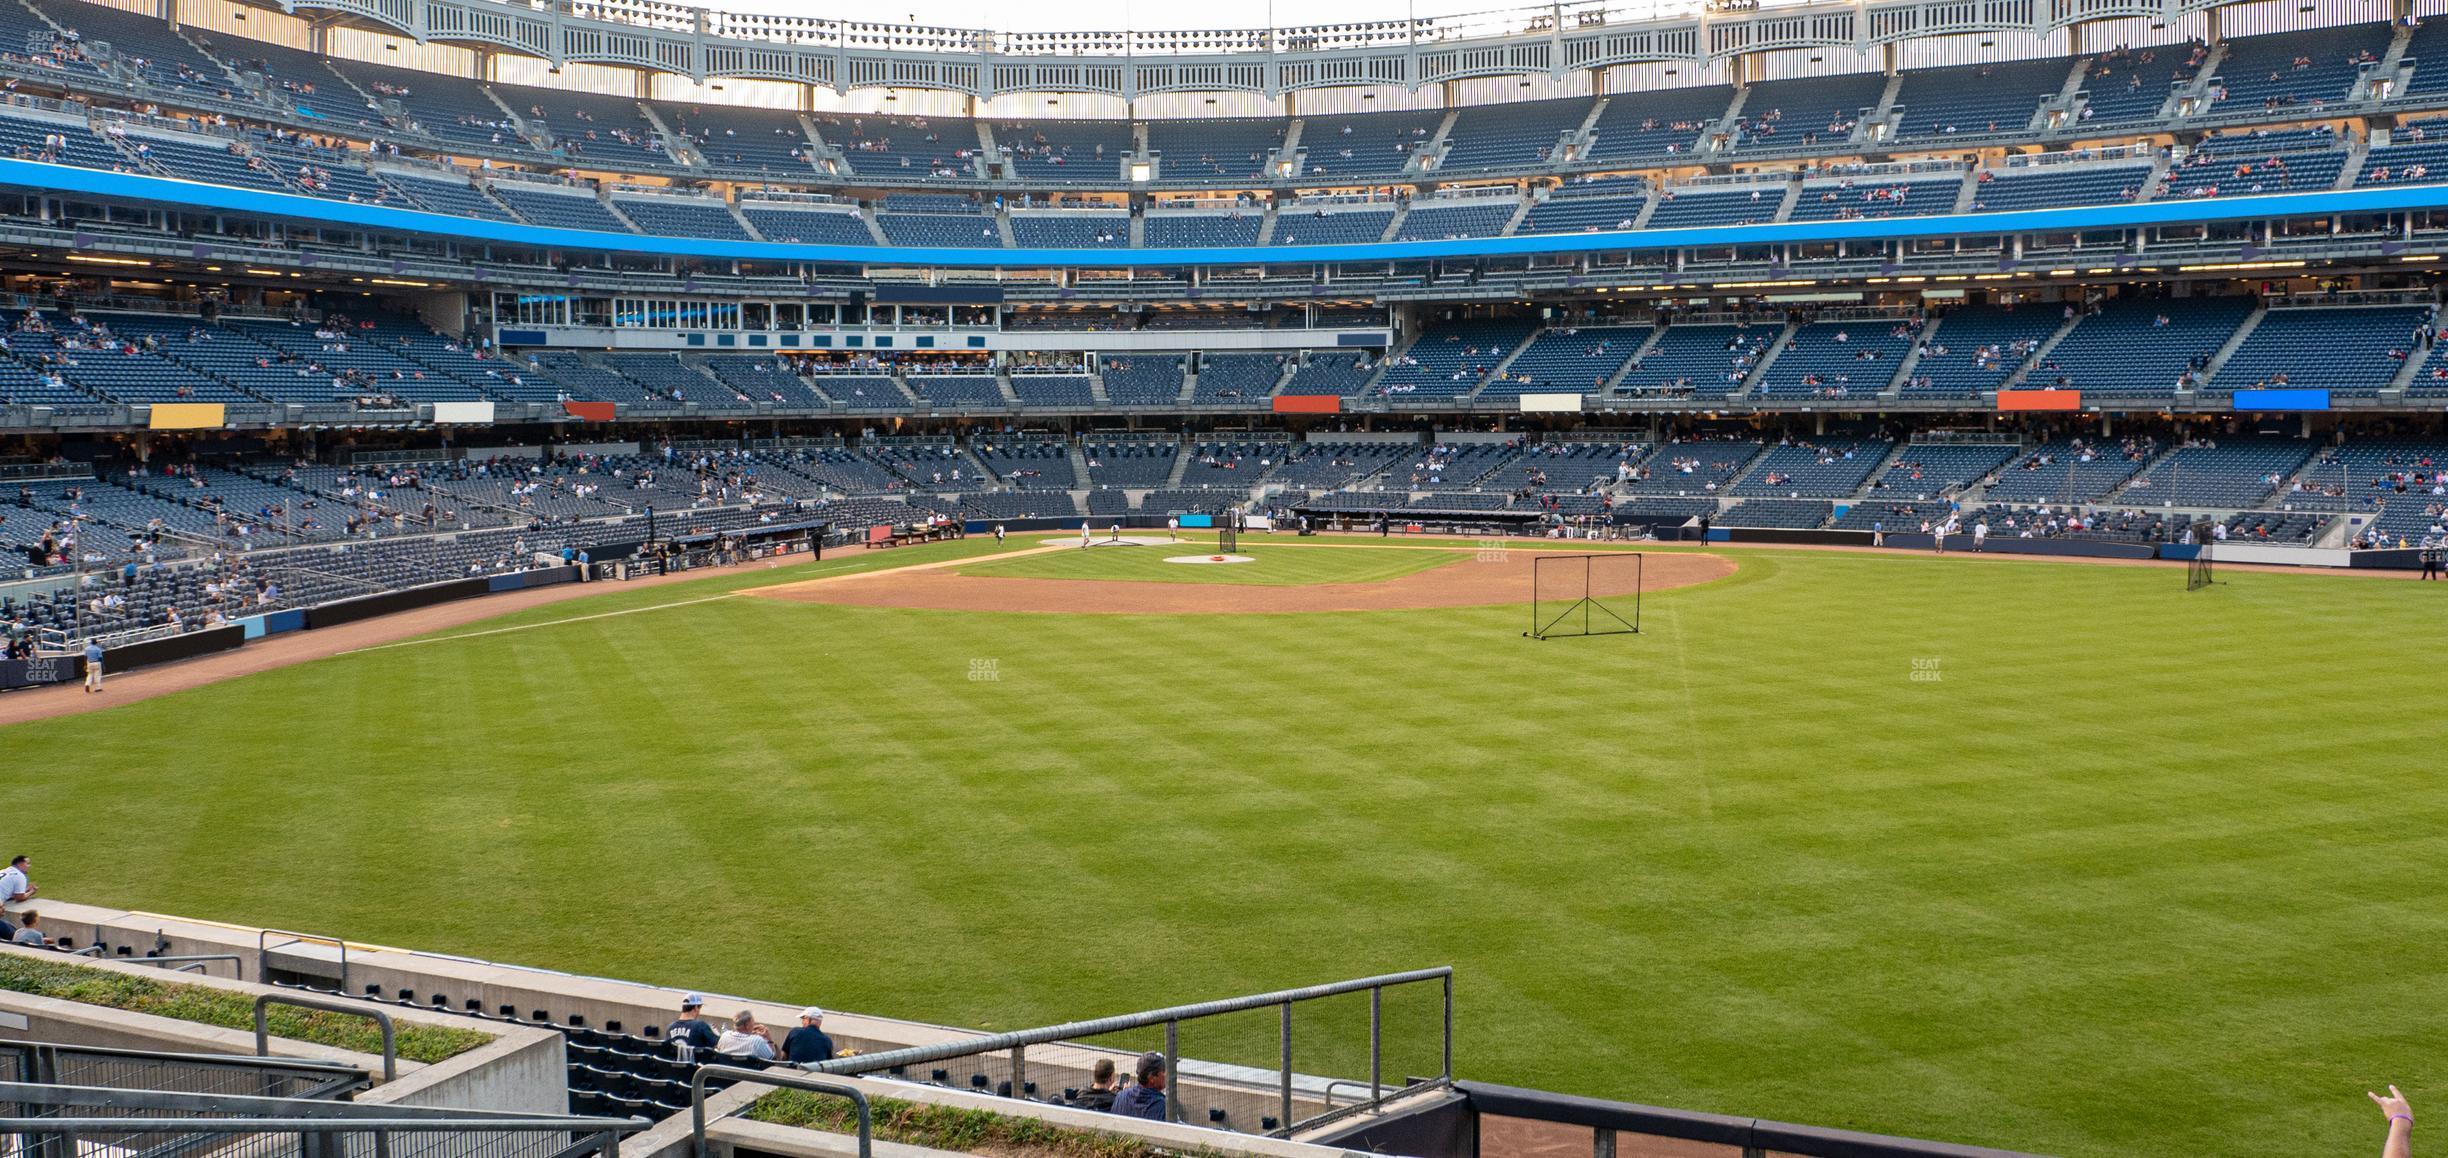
(1141, 380)
(1452, 358)
(1657, 125)
(442, 194)
(1070, 229)
(2307, 68)
(910, 148)
(1202, 230)
(452, 109)
(1065, 152)
(1831, 468)
(2343, 351)
(682, 217)
(793, 224)
(2135, 346)
(1977, 348)
(740, 139)
(2054, 186)
(543, 205)
(1509, 137)
(1364, 144)
(1845, 359)
(1569, 360)
(2133, 84)
(1848, 200)
(1978, 99)
(1221, 149)
(1816, 111)
(1751, 205)
(1699, 359)
(1431, 221)
(1244, 379)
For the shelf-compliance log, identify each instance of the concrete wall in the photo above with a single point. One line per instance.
(516, 1071)
(729, 1136)
(522, 1068)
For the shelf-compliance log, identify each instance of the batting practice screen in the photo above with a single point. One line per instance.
(1579, 595)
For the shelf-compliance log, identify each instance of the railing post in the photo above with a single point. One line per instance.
(1602, 1143)
(1019, 1064)
(390, 1035)
(1448, 1074)
(1286, 1075)
(1173, 1110)
(1376, 1044)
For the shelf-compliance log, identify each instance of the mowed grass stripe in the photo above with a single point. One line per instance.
(2139, 872)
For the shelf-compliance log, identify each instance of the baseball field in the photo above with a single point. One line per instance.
(2049, 856)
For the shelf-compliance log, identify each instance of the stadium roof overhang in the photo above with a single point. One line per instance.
(193, 196)
(1548, 40)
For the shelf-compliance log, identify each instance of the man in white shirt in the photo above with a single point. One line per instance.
(746, 1039)
(16, 890)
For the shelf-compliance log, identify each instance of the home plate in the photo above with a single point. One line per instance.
(1210, 559)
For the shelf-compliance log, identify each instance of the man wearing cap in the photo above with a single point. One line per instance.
(690, 1029)
(1147, 1098)
(808, 1044)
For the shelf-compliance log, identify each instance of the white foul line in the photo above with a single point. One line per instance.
(533, 626)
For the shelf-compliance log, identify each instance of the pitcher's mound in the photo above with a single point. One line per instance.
(1203, 559)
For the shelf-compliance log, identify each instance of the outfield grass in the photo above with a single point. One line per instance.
(1275, 566)
(2138, 872)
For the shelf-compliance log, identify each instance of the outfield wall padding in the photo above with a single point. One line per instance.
(2234, 551)
(352, 610)
(1821, 538)
(27, 673)
(1961, 543)
(177, 647)
(2388, 560)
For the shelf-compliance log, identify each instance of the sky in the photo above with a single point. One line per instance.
(1104, 15)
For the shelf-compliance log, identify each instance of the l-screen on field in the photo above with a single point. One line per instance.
(2050, 856)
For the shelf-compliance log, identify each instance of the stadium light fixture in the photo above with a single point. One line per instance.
(81, 258)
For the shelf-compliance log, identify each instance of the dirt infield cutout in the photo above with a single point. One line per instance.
(1487, 578)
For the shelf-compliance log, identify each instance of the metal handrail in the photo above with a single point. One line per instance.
(785, 1078)
(263, 951)
(390, 1036)
(192, 961)
(1017, 1042)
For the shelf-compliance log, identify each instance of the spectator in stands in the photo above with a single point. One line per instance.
(1103, 1084)
(808, 1043)
(746, 1038)
(1146, 1099)
(690, 1027)
(27, 933)
(16, 889)
(2400, 1142)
